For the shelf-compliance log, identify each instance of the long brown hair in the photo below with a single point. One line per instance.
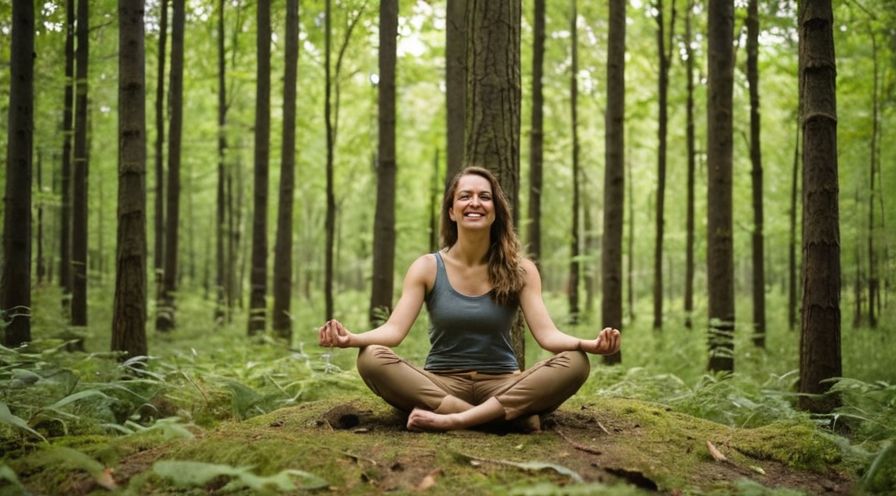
(505, 270)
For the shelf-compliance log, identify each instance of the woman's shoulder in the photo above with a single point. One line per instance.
(423, 269)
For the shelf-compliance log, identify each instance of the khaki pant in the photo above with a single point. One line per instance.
(539, 389)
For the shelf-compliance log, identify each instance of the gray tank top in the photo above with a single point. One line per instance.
(467, 332)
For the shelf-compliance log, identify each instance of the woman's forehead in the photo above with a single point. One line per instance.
(473, 182)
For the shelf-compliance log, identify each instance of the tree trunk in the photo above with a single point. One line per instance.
(65, 221)
(282, 319)
(574, 247)
(330, 221)
(455, 86)
(614, 178)
(15, 282)
(820, 337)
(691, 153)
(258, 279)
(720, 249)
(79, 186)
(384, 221)
(493, 102)
(536, 136)
(222, 291)
(873, 278)
(664, 49)
(166, 310)
(792, 288)
(158, 253)
(434, 195)
(129, 313)
(756, 159)
(41, 267)
(631, 233)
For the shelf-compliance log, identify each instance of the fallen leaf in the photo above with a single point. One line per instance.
(429, 480)
(757, 469)
(106, 480)
(719, 457)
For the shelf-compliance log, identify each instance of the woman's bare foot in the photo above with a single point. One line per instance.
(425, 420)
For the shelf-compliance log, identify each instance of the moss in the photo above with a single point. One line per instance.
(796, 445)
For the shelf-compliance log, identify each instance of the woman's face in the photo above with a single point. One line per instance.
(473, 206)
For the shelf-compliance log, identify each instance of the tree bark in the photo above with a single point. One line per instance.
(222, 289)
(756, 175)
(384, 219)
(574, 248)
(792, 287)
(79, 186)
(493, 100)
(158, 253)
(258, 279)
(873, 278)
(129, 312)
(330, 220)
(614, 178)
(536, 134)
(15, 281)
(691, 158)
(720, 249)
(455, 86)
(65, 222)
(820, 330)
(282, 319)
(166, 312)
(41, 267)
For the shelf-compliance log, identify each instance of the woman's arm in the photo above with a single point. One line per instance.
(545, 331)
(394, 330)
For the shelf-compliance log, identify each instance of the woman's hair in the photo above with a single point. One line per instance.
(505, 270)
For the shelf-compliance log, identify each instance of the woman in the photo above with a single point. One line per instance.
(472, 288)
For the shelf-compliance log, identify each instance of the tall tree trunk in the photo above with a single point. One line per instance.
(158, 253)
(222, 290)
(384, 221)
(574, 248)
(166, 311)
(455, 85)
(15, 281)
(536, 134)
(858, 276)
(41, 267)
(720, 249)
(631, 236)
(614, 179)
(664, 49)
(873, 278)
(794, 187)
(65, 221)
(434, 190)
(258, 280)
(330, 221)
(493, 102)
(691, 152)
(281, 319)
(820, 337)
(756, 174)
(79, 186)
(129, 313)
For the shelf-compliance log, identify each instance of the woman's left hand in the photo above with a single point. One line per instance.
(607, 342)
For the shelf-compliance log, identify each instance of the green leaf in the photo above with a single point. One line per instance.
(9, 475)
(78, 396)
(8, 418)
(187, 473)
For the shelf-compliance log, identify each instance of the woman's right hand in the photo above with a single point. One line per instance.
(333, 333)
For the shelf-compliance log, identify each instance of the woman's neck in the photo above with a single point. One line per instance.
(471, 248)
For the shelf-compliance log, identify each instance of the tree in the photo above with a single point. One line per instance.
(15, 282)
(222, 281)
(720, 249)
(166, 311)
(791, 258)
(129, 313)
(820, 329)
(493, 99)
(614, 177)
(664, 49)
(65, 210)
(574, 264)
(756, 174)
(536, 134)
(330, 220)
(874, 172)
(258, 280)
(691, 153)
(79, 179)
(158, 253)
(282, 320)
(455, 85)
(384, 219)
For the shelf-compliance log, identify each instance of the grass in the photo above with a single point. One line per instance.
(203, 377)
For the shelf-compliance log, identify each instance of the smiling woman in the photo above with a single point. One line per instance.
(472, 288)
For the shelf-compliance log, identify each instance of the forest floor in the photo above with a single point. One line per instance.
(359, 445)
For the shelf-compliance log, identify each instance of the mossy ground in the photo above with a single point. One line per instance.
(359, 445)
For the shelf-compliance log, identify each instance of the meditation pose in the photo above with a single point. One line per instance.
(472, 288)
